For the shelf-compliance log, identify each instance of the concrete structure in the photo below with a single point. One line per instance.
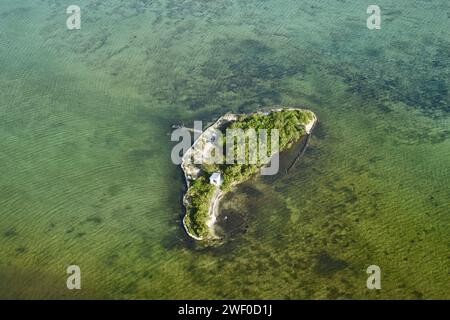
(216, 179)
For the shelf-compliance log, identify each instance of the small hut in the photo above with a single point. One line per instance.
(216, 179)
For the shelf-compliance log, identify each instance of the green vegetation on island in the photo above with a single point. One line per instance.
(292, 125)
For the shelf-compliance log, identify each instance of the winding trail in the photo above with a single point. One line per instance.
(191, 167)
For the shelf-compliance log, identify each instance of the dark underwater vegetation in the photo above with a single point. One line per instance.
(85, 170)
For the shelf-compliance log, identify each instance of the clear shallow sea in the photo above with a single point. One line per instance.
(85, 171)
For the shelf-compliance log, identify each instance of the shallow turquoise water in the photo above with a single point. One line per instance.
(85, 167)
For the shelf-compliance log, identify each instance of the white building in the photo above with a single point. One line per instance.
(216, 179)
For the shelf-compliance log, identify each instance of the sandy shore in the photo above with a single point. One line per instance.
(214, 212)
(191, 170)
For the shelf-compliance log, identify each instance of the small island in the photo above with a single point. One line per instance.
(208, 182)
